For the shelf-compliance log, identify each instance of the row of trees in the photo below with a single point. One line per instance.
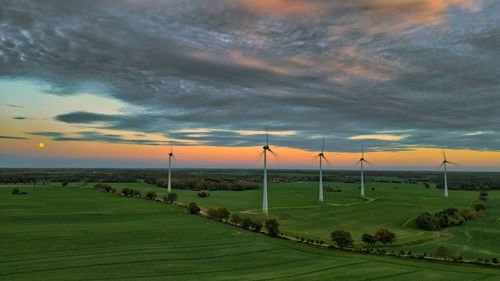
(343, 239)
(103, 186)
(204, 183)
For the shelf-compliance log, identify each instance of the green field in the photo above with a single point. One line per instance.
(56, 233)
(391, 206)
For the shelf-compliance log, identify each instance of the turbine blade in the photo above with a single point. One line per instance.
(362, 152)
(274, 154)
(323, 147)
(326, 160)
(173, 156)
(315, 157)
(267, 136)
(444, 154)
(260, 155)
(369, 163)
(357, 163)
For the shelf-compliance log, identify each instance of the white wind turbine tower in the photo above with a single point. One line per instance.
(321, 156)
(361, 163)
(170, 156)
(264, 153)
(444, 164)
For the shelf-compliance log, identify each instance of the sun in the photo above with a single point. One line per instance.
(41, 144)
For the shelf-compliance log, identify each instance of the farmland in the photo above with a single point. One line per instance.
(74, 233)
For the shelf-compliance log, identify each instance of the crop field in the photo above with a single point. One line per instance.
(392, 206)
(55, 233)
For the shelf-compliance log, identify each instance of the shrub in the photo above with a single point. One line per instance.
(467, 213)
(494, 260)
(212, 214)
(151, 195)
(368, 239)
(15, 191)
(483, 193)
(203, 193)
(385, 236)
(193, 208)
(246, 223)
(64, 184)
(126, 191)
(256, 225)
(480, 207)
(373, 188)
(223, 214)
(342, 238)
(235, 219)
(272, 226)
(136, 193)
(171, 197)
(113, 190)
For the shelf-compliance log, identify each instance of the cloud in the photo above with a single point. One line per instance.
(378, 137)
(354, 68)
(15, 105)
(19, 118)
(12, 138)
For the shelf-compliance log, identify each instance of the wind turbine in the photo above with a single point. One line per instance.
(264, 153)
(321, 156)
(170, 156)
(443, 164)
(360, 162)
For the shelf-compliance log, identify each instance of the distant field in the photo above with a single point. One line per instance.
(393, 206)
(59, 233)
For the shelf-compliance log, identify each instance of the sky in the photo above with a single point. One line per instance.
(115, 83)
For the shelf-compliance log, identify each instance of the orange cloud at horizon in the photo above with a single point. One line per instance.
(242, 156)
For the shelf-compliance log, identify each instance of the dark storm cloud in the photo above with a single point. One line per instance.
(15, 105)
(19, 118)
(333, 68)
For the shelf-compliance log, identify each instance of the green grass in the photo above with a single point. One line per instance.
(56, 233)
(393, 206)
(477, 238)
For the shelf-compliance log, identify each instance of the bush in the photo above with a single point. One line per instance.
(64, 184)
(126, 191)
(385, 236)
(342, 238)
(480, 207)
(136, 193)
(151, 195)
(218, 214)
(369, 239)
(494, 260)
(483, 193)
(193, 209)
(223, 213)
(15, 191)
(203, 193)
(272, 226)
(467, 213)
(256, 225)
(373, 188)
(246, 223)
(235, 219)
(171, 197)
(212, 213)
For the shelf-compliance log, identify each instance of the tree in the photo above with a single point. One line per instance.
(235, 219)
(212, 214)
(203, 193)
(246, 223)
(64, 184)
(385, 236)
(257, 225)
(368, 239)
(480, 207)
(223, 214)
(171, 197)
(193, 208)
(272, 226)
(15, 191)
(151, 195)
(427, 221)
(126, 191)
(342, 238)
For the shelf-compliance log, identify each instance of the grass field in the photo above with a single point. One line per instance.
(391, 206)
(477, 238)
(58, 233)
